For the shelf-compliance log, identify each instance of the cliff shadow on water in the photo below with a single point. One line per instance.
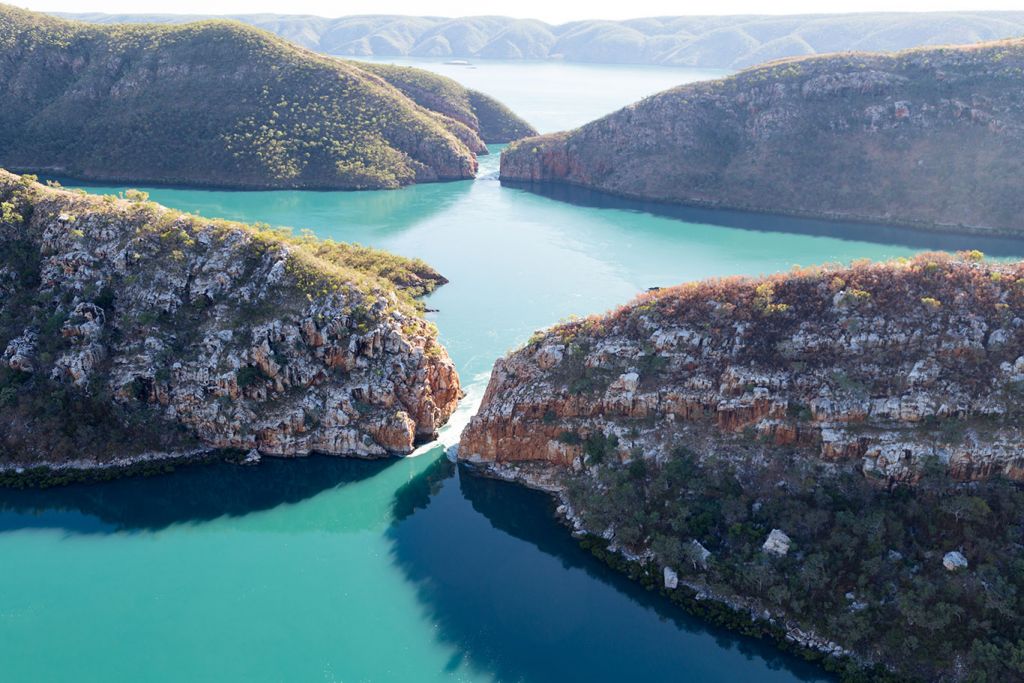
(530, 604)
(196, 493)
(917, 238)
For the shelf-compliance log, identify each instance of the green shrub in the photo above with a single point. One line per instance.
(249, 375)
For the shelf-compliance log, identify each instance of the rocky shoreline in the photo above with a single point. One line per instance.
(44, 474)
(820, 434)
(782, 631)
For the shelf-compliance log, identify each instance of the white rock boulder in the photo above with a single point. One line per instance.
(954, 561)
(777, 543)
(698, 554)
(671, 578)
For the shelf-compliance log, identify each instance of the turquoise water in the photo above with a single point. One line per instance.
(406, 570)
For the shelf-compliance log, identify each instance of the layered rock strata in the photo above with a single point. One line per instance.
(129, 328)
(889, 368)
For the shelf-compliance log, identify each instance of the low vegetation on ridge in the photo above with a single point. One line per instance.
(928, 137)
(725, 41)
(490, 119)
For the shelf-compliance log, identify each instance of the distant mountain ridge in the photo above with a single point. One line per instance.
(732, 42)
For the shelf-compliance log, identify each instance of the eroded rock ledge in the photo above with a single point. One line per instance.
(127, 328)
(889, 368)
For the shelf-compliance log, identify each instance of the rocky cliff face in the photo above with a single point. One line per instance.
(129, 330)
(888, 369)
(212, 103)
(928, 137)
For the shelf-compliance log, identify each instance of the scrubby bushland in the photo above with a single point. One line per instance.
(488, 118)
(212, 103)
(869, 412)
(865, 568)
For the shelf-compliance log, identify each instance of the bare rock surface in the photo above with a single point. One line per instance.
(805, 449)
(885, 368)
(131, 330)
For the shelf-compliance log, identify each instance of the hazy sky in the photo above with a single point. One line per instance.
(548, 10)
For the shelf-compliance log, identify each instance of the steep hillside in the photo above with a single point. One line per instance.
(929, 137)
(213, 103)
(724, 42)
(130, 332)
(492, 121)
(792, 447)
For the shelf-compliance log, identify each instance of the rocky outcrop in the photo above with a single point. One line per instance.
(886, 368)
(954, 561)
(929, 137)
(129, 328)
(106, 103)
(777, 543)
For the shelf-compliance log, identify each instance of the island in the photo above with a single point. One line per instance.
(223, 104)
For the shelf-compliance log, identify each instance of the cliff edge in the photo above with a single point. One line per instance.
(129, 331)
(830, 458)
(887, 367)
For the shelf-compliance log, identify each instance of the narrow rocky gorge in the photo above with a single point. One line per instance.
(130, 331)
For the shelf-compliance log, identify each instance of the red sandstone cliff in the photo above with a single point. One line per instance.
(882, 367)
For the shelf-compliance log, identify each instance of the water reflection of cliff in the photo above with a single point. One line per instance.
(192, 494)
(516, 599)
(764, 222)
